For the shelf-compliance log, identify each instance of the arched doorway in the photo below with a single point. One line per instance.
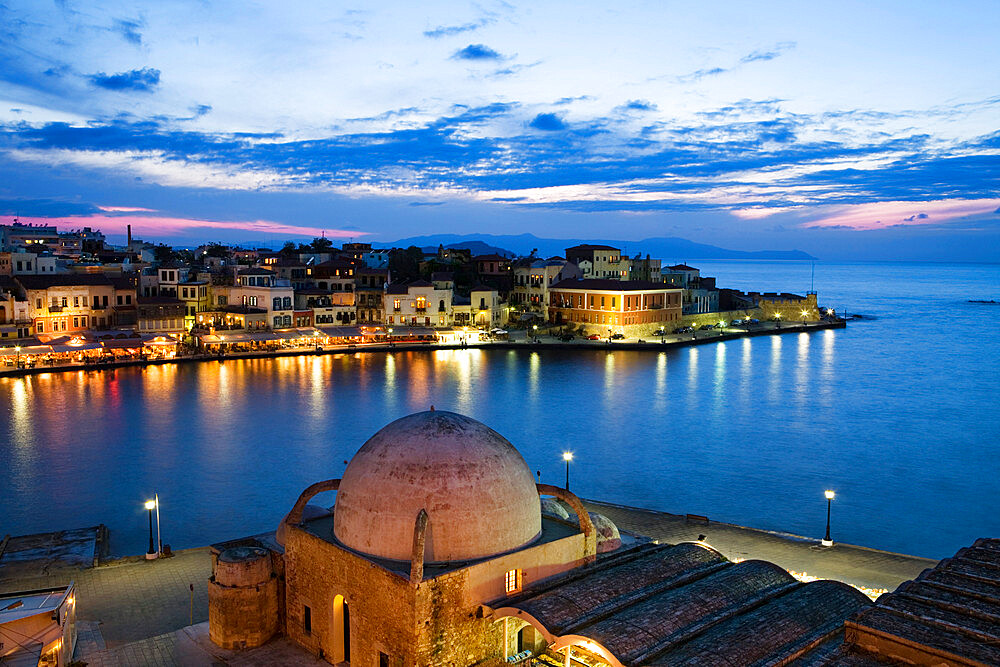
(341, 630)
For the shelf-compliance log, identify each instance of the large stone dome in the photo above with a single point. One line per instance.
(479, 494)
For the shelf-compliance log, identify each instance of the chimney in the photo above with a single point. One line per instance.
(129, 231)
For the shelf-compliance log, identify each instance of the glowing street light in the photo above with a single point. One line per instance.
(827, 542)
(17, 358)
(805, 314)
(534, 328)
(567, 457)
(151, 554)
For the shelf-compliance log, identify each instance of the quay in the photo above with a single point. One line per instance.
(137, 612)
(522, 340)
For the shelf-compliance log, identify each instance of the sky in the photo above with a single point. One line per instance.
(849, 130)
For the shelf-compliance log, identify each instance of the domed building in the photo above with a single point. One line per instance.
(437, 551)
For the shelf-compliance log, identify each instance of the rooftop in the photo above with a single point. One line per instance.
(611, 285)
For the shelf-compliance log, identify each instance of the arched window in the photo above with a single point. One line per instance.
(341, 630)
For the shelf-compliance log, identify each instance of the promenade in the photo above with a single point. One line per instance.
(519, 339)
(861, 566)
(138, 612)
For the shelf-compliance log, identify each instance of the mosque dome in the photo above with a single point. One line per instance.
(479, 494)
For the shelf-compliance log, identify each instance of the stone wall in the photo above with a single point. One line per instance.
(380, 602)
(242, 598)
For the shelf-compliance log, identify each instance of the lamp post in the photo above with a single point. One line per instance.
(17, 357)
(151, 554)
(567, 457)
(805, 314)
(827, 542)
(534, 328)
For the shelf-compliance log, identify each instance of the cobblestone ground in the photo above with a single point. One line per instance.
(860, 566)
(129, 601)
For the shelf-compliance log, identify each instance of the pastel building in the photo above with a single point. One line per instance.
(633, 307)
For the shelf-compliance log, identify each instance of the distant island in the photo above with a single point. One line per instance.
(667, 247)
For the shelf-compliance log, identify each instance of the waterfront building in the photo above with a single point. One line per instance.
(19, 263)
(38, 627)
(632, 308)
(369, 291)
(418, 304)
(194, 294)
(441, 549)
(68, 303)
(336, 275)
(700, 293)
(788, 307)
(15, 322)
(259, 289)
(604, 261)
(160, 314)
(534, 277)
(482, 309)
(647, 270)
(494, 271)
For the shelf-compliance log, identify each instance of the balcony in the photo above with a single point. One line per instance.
(55, 309)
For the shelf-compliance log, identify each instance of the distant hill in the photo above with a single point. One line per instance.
(668, 248)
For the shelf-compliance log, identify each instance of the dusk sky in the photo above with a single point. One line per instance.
(850, 130)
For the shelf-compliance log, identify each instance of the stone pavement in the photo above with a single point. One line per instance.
(134, 599)
(860, 566)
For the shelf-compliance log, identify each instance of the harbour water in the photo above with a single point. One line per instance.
(897, 413)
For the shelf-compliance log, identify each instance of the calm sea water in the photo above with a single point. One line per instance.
(899, 414)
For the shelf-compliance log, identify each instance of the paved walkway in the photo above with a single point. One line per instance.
(860, 566)
(136, 599)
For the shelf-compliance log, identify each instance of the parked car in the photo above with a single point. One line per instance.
(566, 337)
(737, 323)
(594, 337)
(618, 336)
(660, 332)
(680, 330)
(755, 321)
(706, 327)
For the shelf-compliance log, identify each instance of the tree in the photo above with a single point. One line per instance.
(288, 250)
(321, 244)
(404, 265)
(164, 253)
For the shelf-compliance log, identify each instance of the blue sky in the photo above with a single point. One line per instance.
(847, 129)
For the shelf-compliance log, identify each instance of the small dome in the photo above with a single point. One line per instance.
(479, 494)
(608, 537)
(552, 507)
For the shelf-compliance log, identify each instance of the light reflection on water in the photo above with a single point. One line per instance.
(901, 421)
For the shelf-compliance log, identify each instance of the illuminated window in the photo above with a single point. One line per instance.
(512, 581)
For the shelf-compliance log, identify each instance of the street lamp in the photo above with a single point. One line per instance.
(805, 314)
(534, 328)
(567, 457)
(151, 554)
(17, 358)
(827, 542)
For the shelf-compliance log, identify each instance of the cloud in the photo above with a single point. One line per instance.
(129, 30)
(145, 80)
(125, 209)
(777, 50)
(449, 30)
(637, 105)
(700, 74)
(476, 52)
(871, 216)
(45, 207)
(163, 226)
(547, 122)
(426, 203)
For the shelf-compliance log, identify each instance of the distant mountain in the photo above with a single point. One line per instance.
(668, 248)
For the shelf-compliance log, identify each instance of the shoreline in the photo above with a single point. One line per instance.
(576, 344)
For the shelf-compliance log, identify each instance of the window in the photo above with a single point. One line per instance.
(83, 321)
(307, 620)
(76, 322)
(38, 304)
(76, 302)
(65, 302)
(40, 327)
(512, 581)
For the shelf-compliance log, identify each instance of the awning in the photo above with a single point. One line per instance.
(297, 333)
(29, 349)
(400, 332)
(343, 332)
(121, 343)
(156, 342)
(63, 348)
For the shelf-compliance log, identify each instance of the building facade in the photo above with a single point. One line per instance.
(632, 308)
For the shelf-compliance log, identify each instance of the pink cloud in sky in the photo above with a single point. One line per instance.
(155, 226)
(126, 209)
(880, 215)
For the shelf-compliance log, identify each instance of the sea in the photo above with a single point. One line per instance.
(898, 414)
